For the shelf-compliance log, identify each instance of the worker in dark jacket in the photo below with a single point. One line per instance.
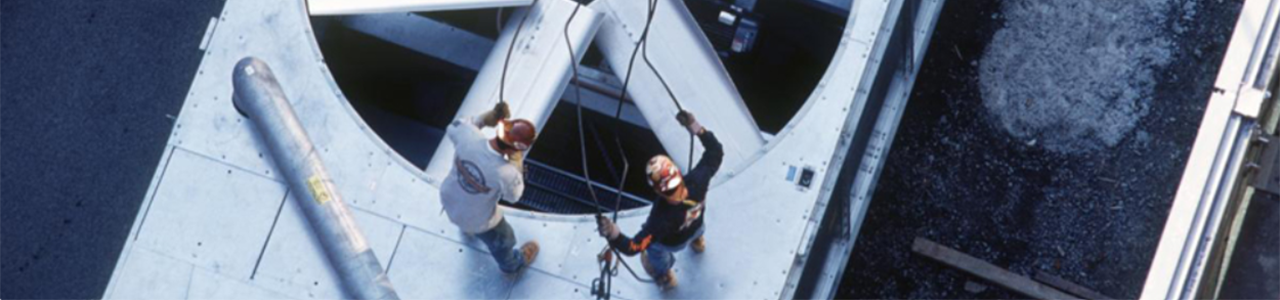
(675, 222)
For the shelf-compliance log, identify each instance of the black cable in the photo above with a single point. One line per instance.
(653, 8)
(643, 46)
(602, 286)
(643, 43)
(582, 140)
(629, 270)
(502, 83)
(626, 168)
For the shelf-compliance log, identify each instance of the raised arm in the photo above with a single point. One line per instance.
(714, 154)
(712, 157)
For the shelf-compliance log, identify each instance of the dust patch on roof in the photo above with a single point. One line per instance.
(1074, 76)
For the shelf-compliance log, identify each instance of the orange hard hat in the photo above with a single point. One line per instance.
(663, 174)
(518, 133)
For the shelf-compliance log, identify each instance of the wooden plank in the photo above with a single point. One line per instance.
(988, 271)
(1069, 287)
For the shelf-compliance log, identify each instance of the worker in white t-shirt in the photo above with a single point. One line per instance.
(485, 170)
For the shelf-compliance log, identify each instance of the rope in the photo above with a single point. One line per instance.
(643, 48)
(602, 286)
(582, 145)
(502, 83)
(653, 8)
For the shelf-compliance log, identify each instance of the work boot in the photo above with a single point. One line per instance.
(668, 282)
(530, 252)
(699, 245)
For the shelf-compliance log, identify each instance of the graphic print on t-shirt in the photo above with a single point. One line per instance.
(471, 178)
(691, 215)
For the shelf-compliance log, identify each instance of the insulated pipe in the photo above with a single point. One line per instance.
(259, 97)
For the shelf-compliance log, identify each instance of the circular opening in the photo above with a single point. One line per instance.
(408, 96)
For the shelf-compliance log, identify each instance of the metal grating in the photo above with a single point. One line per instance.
(548, 189)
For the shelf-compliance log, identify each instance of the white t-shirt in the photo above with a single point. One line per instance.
(479, 177)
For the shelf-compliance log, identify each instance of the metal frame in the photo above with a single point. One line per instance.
(1211, 182)
(346, 7)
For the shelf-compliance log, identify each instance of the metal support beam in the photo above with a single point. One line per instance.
(682, 55)
(601, 91)
(880, 100)
(538, 71)
(1211, 183)
(346, 7)
(259, 97)
(424, 35)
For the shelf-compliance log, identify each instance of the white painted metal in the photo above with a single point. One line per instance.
(165, 277)
(203, 214)
(460, 47)
(292, 266)
(1258, 41)
(1209, 179)
(209, 285)
(876, 152)
(426, 36)
(681, 53)
(208, 32)
(259, 96)
(217, 209)
(203, 186)
(537, 74)
(352, 7)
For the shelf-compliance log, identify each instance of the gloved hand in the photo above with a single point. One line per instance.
(502, 110)
(499, 112)
(687, 120)
(606, 228)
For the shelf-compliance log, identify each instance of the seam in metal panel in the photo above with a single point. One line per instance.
(235, 166)
(270, 232)
(442, 237)
(395, 250)
(147, 211)
(190, 277)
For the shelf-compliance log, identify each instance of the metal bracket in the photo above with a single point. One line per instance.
(1268, 165)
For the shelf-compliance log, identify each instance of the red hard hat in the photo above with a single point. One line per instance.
(663, 174)
(518, 133)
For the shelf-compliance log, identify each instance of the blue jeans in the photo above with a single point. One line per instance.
(501, 241)
(662, 257)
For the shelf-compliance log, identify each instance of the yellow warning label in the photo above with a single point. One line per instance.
(318, 190)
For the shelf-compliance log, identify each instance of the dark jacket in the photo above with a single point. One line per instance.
(673, 225)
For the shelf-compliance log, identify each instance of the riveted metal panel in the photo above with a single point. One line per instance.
(207, 285)
(211, 215)
(293, 263)
(145, 274)
(428, 266)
